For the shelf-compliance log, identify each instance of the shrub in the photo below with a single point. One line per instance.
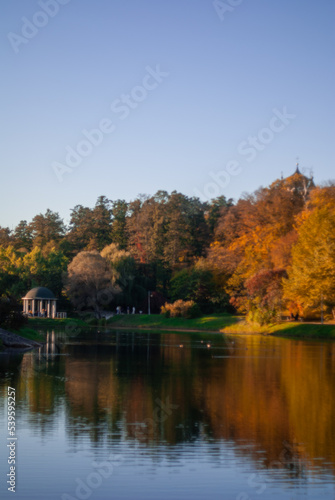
(11, 316)
(263, 316)
(181, 309)
(194, 311)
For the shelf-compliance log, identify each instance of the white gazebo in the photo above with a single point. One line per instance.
(40, 301)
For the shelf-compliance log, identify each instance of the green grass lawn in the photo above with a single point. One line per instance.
(212, 322)
(305, 330)
(29, 333)
(223, 322)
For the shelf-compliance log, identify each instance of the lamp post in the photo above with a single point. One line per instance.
(149, 295)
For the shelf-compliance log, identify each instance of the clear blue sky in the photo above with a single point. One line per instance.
(226, 76)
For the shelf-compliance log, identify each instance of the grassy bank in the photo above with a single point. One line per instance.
(297, 330)
(213, 322)
(225, 323)
(29, 333)
(19, 338)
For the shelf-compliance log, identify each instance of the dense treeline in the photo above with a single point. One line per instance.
(271, 253)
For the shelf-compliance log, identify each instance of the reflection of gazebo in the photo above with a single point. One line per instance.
(40, 300)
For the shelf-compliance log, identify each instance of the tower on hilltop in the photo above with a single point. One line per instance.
(299, 183)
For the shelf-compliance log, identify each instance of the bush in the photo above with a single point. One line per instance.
(194, 312)
(11, 316)
(263, 317)
(166, 312)
(181, 309)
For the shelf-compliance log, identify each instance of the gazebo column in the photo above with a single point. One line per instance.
(53, 308)
(33, 307)
(41, 307)
(48, 309)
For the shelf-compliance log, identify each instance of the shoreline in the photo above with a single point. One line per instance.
(26, 338)
(212, 324)
(293, 330)
(162, 329)
(12, 340)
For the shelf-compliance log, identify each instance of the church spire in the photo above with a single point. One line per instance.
(297, 171)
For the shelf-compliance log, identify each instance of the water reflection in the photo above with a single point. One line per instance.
(270, 400)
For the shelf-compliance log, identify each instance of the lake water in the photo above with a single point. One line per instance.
(132, 416)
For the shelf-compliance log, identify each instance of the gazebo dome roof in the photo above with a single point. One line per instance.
(41, 293)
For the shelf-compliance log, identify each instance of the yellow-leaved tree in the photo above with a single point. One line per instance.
(312, 273)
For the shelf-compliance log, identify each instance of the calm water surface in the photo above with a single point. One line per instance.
(157, 416)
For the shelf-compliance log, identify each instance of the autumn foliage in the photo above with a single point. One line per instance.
(181, 309)
(269, 255)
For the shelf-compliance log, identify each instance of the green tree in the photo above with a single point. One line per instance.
(20, 272)
(11, 282)
(5, 236)
(101, 219)
(198, 284)
(90, 229)
(167, 228)
(46, 228)
(80, 228)
(44, 269)
(119, 223)
(186, 231)
(22, 236)
(145, 229)
(216, 208)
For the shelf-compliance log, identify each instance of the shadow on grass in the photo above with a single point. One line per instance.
(290, 329)
(213, 322)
